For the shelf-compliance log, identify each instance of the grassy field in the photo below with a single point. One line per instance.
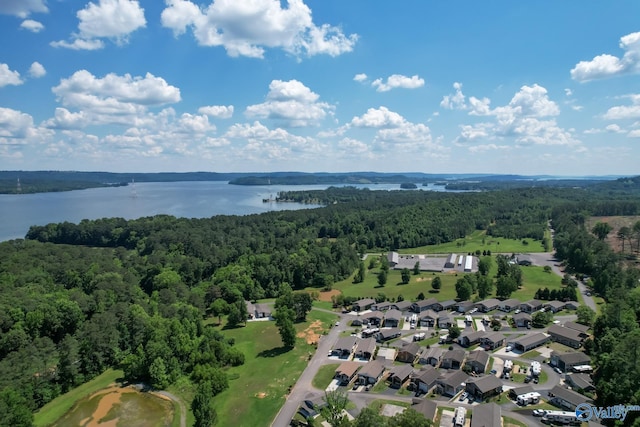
(478, 240)
(533, 279)
(324, 376)
(510, 422)
(55, 409)
(258, 392)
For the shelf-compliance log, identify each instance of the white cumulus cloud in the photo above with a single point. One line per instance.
(8, 76)
(398, 81)
(621, 112)
(112, 19)
(217, 111)
(606, 65)
(37, 70)
(22, 8)
(31, 25)
(246, 28)
(292, 102)
(378, 118)
(455, 101)
(360, 77)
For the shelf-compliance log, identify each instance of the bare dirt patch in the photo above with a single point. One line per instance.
(110, 398)
(628, 246)
(261, 395)
(312, 333)
(326, 295)
(424, 279)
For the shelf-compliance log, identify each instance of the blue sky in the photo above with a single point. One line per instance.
(541, 87)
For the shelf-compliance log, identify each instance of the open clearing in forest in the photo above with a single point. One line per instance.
(259, 388)
(478, 240)
(616, 223)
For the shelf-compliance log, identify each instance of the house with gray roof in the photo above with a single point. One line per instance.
(566, 361)
(445, 320)
(488, 305)
(493, 340)
(487, 415)
(366, 348)
(484, 387)
(371, 372)
(529, 342)
(531, 306)
(428, 318)
(399, 374)
(392, 318)
(470, 338)
(451, 261)
(381, 306)
(554, 306)
(580, 382)
(363, 304)
(393, 258)
(373, 317)
(344, 347)
(519, 391)
(452, 382)
(522, 319)
(453, 359)
(388, 334)
(408, 353)
(572, 305)
(444, 305)
(567, 399)
(402, 305)
(430, 356)
(464, 306)
(426, 407)
(566, 336)
(509, 305)
(424, 305)
(583, 329)
(426, 378)
(477, 361)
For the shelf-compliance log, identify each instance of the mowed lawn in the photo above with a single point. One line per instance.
(533, 279)
(260, 386)
(478, 240)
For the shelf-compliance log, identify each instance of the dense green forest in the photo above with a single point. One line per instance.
(79, 298)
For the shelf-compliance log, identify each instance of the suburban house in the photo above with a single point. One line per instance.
(467, 339)
(529, 342)
(522, 319)
(366, 348)
(363, 304)
(493, 340)
(426, 379)
(393, 258)
(426, 407)
(464, 306)
(344, 347)
(566, 336)
(580, 382)
(445, 320)
(453, 359)
(388, 334)
(251, 309)
(445, 305)
(452, 382)
(525, 260)
(566, 361)
(531, 306)
(487, 415)
(520, 391)
(370, 372)
(392, 318)
(484, 387)
(428, 318)
(408, 353)
(572, 305)
(399, 375)
(424, 305)
(430, 356)
(477, 361)
(451, 261)
(555, 306)
(583, 329)
(373, 318)
(488, 305)
(402, 305)
(258, 311)
(346, 371)
(567, 399)
(509, 305)
(381, 306)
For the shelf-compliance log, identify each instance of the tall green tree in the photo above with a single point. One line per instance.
(382, 277)
(284, 321)
(586, 315)
(416, 268)
(202, 407)
(463, 290)
(369, 418)
(601, 230)
(336, 403)
(406, 275)
(409, 418)
(15, 409)
(436, 283)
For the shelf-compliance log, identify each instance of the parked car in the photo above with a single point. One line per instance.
(539, 412)
(517, 311)
(508, 348)
(558, 370)
(463, 396)
(527, 379)
(493, 371)
(536, 380)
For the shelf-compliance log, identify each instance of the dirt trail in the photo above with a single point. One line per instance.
(173, 397)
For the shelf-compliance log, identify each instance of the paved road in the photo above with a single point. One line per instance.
(303, 389)
(548, 258)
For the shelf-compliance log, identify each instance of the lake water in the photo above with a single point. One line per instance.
(181, 199)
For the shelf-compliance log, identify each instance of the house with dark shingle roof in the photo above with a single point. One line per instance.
(366, 348)
(580, 382)
(477, 361)
(453, 359)
(509, 305)
(399, 375)
(493, 340)
(467, 339)
(531, 306)
(583, 329)
(392, 318)
(424, 305)
(426, 378)
(567, 399)
(430, 356)
(344, 347)
(371, 372)
(445, 320)
(388, 334)
(428, 318)
(363, 304)
(566, 361)
(529, 342)
(488, 305)
(566, 336)
(515, 392)
(426, 407)
(452, 382)
(484, 387)
(374, 317)
(408, 353)
(444, 305)
(402, 305)
(555, 306)
(487, 415)
(522, 319)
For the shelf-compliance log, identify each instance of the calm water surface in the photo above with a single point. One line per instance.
(180, 199)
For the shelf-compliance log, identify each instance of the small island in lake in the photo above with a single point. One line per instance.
(408, 186)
